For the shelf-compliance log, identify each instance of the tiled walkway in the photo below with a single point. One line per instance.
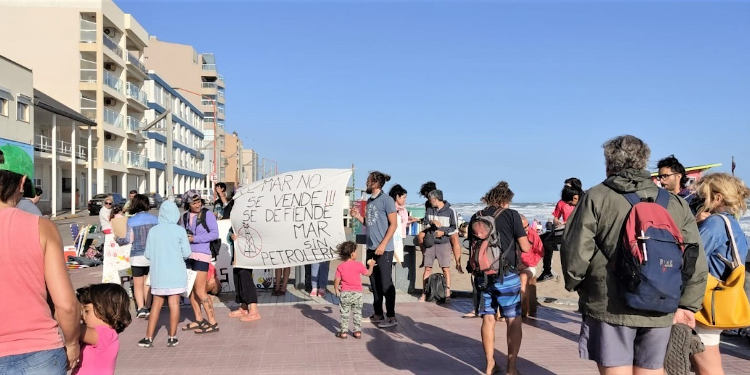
(296, 336)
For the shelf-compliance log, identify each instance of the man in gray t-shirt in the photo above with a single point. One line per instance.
(380, 220)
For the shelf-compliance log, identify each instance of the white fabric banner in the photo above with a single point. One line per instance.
(116, 261)
(290, 219)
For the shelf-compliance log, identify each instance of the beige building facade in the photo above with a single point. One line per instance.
(88, 55)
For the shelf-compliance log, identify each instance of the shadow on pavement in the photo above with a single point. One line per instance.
(320, 316)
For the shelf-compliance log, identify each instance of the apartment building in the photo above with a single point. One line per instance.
(231, 168)
(196, 76)
(188, 169)
(88, 55)
(56, 137)
(249, 166)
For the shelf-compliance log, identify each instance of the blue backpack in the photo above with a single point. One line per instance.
(650, 266)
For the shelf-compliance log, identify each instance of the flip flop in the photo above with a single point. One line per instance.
(342, 335)
(357, 334)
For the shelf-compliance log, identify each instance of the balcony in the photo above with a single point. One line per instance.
(44, 144)
(88, 31)
(113, 82)
(88, 70)
(134, 124)
(208, 85)
(137, 64)
(112, 45)
(136, 160)
(134, 92)
(88, 108)
(209, 67)
(112, 155)
(113, 118)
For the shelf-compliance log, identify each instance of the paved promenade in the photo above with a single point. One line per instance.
(296, 336)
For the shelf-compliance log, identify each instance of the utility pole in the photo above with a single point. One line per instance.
(170, 153)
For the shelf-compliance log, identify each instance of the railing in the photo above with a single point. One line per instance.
(221, 94)
(112, 45)
(137, 160)
(42, 143)
(208, 102)
(112, 81)
(88, 108)
(209, 67)
(220, 77)
(134, 124)
(138, 64)
(88, 70)
(136, 93)
(82, 152)
(208, 85)
(113, 118)
(64, 148)
(112, 155)
(88, 31)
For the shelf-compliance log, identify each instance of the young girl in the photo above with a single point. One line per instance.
(348, 286)
(106, 312)
(167, 248)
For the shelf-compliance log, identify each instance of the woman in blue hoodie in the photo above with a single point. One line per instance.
(139, 226)
(201, 227)
(167, 248)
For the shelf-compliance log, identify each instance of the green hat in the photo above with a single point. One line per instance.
(17, 160)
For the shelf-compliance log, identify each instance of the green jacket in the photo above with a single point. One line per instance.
(594, 229)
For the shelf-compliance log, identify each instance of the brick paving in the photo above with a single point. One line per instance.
(296, 336)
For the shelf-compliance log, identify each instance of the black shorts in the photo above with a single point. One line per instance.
(196, 265)
(139, 271)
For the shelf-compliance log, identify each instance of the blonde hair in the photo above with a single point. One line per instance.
(733, 192)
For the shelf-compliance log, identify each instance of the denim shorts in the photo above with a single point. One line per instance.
(611, 345)
(44, 362)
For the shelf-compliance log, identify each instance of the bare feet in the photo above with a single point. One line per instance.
(250, 317)
(238, 313)
(422, 298)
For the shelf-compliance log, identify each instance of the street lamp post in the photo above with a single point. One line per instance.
(213, 173)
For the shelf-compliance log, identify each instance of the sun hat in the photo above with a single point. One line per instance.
(17, 161)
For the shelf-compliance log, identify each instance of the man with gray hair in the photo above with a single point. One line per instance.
(620, 339)
(441, 222)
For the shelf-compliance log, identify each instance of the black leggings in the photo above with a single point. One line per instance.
(382, 283)
(550, 242)
(244, 286)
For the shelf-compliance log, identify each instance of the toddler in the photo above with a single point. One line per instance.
(348, 287)
(106, 312)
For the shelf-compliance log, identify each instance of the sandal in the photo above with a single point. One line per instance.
(357, 334)
(195, 325)
(342, 335)
(208, 328)
(447, 292)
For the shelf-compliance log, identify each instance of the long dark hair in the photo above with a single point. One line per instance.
(111, 304)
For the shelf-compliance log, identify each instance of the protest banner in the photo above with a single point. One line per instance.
(290, 219)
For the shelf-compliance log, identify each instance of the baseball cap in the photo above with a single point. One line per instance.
(17, 161)
(191, 195)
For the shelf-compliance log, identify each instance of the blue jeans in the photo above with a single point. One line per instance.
(45, 362)
(319, 275)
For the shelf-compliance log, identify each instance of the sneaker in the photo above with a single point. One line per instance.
(390, 322)
(321, 292)
(314, 292)
(146, 312)
(146, 342)
(376, 320)
(172, 341)
(140, 313)
(545, 276)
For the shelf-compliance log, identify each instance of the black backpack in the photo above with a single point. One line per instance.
(214, 245)
(434, 288)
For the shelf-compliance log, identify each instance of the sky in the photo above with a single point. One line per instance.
(468, 93)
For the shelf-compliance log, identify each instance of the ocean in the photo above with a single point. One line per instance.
(542, 212)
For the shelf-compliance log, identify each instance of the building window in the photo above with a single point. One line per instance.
(4, 107)
(23, 112)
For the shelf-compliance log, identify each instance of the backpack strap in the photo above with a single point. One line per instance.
(632, 198)
(186, 219)
(662, 198)
(202, 218)
(735, 254)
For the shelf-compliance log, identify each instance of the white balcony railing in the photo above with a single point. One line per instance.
(113, 118)
(112, 81)
(81, 152)
(112, 155)
(112, 45)
(134, 124)
(137, 63)
(88, 31)
(209, 67)
(137, 160)
(135, 92)
(208, 85)
(44, 144)
(64, 148)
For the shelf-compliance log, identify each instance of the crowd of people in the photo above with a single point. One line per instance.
(595, 230)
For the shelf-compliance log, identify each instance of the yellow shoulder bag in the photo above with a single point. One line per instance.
(725, 304)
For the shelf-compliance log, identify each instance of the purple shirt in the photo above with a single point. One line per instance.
(202, 237)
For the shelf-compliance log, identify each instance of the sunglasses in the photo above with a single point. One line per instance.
(108, 203)
(663, 176)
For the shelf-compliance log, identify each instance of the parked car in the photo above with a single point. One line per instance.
(178, 200)
(154, 200)
(95, 204)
